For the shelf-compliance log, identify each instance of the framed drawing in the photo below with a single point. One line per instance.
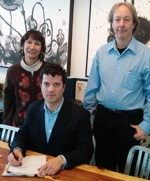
(99, 29)
(52, 17)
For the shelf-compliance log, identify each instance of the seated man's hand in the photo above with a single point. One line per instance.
(15, 158)
(51, 167)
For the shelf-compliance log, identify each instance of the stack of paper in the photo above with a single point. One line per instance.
(29, 167)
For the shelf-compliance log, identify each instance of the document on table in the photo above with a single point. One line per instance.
(29, 167)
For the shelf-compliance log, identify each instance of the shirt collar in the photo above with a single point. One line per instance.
(131, 46)
(58, 108)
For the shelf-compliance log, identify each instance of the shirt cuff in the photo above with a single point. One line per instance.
(145, 126)
(17, 148)
(65, 162)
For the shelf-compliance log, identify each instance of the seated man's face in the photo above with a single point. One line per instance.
(52, 89)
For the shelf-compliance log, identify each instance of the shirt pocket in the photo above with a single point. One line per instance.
(132, 81)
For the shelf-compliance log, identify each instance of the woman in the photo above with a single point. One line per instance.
(22, 80)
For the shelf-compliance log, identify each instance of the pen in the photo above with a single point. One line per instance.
(11, 150)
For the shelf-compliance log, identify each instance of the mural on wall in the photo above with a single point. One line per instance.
(99, 28)
(51, 17)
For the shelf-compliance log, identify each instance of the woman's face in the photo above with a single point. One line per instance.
(32, 49)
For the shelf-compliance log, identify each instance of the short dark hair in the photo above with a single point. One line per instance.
(36, 35)
(53, 69)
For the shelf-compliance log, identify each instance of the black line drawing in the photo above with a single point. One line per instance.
(52, 18)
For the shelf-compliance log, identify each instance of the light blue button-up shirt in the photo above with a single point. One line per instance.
(50, 119)
(120, 82)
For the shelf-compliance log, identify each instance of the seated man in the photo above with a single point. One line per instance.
(54, 126)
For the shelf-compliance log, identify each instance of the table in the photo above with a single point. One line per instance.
(79, 173)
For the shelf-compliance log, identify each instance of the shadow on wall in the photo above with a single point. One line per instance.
(142, 32)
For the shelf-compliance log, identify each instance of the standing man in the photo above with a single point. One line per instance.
(54, 126)
(118, 91)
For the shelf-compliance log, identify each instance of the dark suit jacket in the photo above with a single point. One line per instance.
(71, 135)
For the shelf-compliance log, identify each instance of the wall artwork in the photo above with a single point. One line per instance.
(99, 28)
(52, 17)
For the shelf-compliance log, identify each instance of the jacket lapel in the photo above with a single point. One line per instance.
(41, 119)
(61, 120)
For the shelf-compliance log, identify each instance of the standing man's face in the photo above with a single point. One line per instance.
(123, 23)
(52, 90)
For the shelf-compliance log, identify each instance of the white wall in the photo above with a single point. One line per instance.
(79, 38)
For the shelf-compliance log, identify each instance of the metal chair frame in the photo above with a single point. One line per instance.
(8, 133)
(142, 167)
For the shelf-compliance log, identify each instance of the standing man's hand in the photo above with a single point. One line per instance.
(140, 134)
(51, 167)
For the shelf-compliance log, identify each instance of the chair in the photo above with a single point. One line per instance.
(142, 163)
(8, 133)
